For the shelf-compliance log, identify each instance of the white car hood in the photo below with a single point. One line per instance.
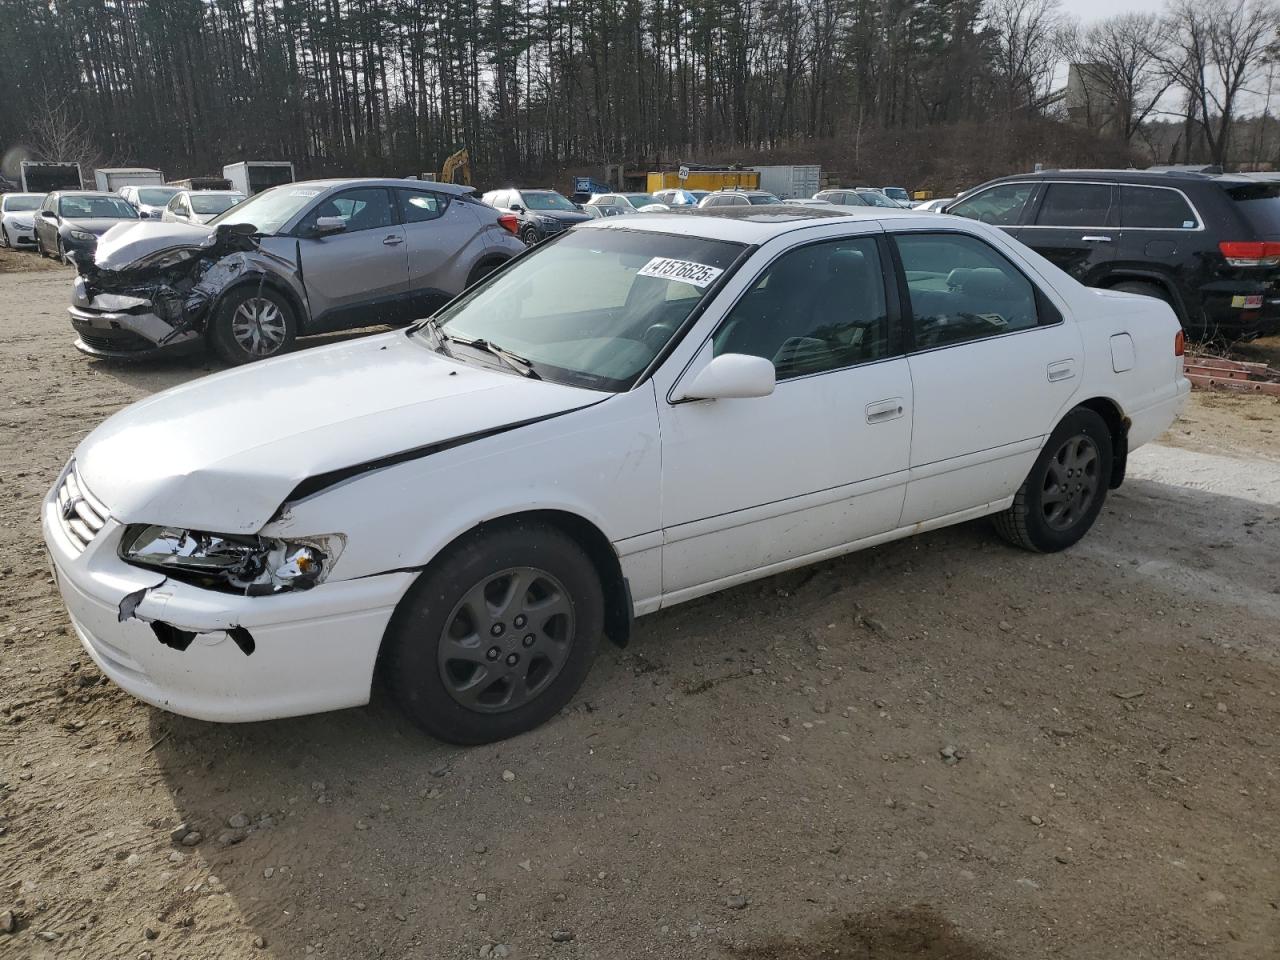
(222, 453)
(127, 242)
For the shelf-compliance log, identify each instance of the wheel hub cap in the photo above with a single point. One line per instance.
(258, 327)
(1071, 482)
(506, 640)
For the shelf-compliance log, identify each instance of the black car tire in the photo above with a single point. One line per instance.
(4, 237)
(40, 245)
(221, 335)
(415, 661)
(1028, 523)
(482, 270)
(62, 252)
(529, 234)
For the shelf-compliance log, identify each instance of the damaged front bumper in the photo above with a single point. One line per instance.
(211, 655)
(121, 335)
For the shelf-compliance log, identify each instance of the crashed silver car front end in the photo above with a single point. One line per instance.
(151, 287)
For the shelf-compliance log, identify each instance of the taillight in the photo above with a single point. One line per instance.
(511, 222)
(1179, 343)
(1252, 253)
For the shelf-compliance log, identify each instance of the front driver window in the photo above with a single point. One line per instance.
(1000, 205)
(821, 307)
(961, 289)
(367, 208)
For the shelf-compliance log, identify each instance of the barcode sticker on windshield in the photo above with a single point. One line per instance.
(684, 271)
(304, 193)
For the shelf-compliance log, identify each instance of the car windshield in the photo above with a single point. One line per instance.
(876, 199)
(23, 201)
(96, 208)
(638, 199)
(214, 202)
(546, 200)
(761, 199)
(156, 196)
(1260, 204)
(592, 309)
(272, 209)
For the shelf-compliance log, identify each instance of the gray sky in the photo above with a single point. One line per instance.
(1087, 10)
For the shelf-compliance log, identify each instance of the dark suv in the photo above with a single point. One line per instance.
(541, 213)
(1208, 245)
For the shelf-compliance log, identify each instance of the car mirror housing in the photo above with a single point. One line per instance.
(49, 215)
(327, 225)
(732, 376)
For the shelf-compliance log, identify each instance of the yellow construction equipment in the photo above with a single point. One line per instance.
(457, 169)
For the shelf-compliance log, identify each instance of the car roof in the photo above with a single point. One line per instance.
(335, 183)
(85, 193)
(1128, 176)
(755, 225)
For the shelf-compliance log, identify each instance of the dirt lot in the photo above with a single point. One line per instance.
(759, 775)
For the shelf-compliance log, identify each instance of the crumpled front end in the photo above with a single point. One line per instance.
(160, 301)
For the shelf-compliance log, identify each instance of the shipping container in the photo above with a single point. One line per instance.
(791, 182)
(254, 176)
(41, 177)
(202, 183)
(704, 180)
(111, 179)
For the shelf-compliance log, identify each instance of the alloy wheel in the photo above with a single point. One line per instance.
(1070, 482)
(259, 327)
(506, 640)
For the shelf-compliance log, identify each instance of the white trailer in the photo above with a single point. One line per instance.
(791, 182)
(111, 179)
(254, 176)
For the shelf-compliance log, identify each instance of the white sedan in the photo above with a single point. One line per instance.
(199, 206)
(639, 412)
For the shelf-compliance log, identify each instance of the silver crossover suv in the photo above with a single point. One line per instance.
(297, 259)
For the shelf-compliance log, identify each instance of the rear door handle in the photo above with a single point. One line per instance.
(1061, 370)
(392, 240)
(1098, 239)
(883, 410)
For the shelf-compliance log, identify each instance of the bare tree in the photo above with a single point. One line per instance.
(1119, 62)
(1213, 52)
(1028, 35)
(58, 134)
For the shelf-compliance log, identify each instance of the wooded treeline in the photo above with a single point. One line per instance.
(393, 86)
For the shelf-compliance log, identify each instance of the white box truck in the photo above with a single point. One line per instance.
(111, 179)
(39, 176)
(793, 182)
(254, 176)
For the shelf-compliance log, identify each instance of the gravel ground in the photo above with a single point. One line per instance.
(942, 747)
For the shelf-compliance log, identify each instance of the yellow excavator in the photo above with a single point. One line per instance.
(457, 168)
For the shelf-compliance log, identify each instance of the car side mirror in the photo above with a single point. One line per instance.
(731, 376)
(328, 225)
(144, 215)
(49, 215)
(517, 207)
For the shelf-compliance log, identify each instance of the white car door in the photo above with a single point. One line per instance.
(994, 364)
(750, 486)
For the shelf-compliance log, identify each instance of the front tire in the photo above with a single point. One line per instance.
(4, 238)
(1062, 496)
(529, 235)
(497, 635)
(252, 323)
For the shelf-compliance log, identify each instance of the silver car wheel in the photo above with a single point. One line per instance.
(258, 326)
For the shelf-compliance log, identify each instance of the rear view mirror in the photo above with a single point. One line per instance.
(731, 376)
(327, 225)
(48, 215)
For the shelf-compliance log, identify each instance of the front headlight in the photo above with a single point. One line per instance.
(82, 235)
(23, 224)
(252, 565)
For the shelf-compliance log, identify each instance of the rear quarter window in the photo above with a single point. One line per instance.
(1155, 208)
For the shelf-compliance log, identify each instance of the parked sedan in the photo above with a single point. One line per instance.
(149, 201)
(647, 410)
(296, 259)
(69, 222)
(17, 218)
(199, 206)
(539, 213)
(635, 202)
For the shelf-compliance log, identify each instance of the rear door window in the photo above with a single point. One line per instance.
(1076, 205)
(962, 289)
(1259, 204)
(1000, 205)
(1155, 208)
(419, 206)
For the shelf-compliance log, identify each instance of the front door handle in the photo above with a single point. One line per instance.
(883, 410)
(1061, 370)
(392, 240)
(1097, 239)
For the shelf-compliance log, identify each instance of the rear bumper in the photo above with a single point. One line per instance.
(1225, 314)
(129, 336)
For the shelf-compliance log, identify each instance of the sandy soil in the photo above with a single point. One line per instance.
(760, 774)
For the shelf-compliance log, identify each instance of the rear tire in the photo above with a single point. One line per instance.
(482, 270)
(250, 324)
(1062, 496)
(475, 655)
